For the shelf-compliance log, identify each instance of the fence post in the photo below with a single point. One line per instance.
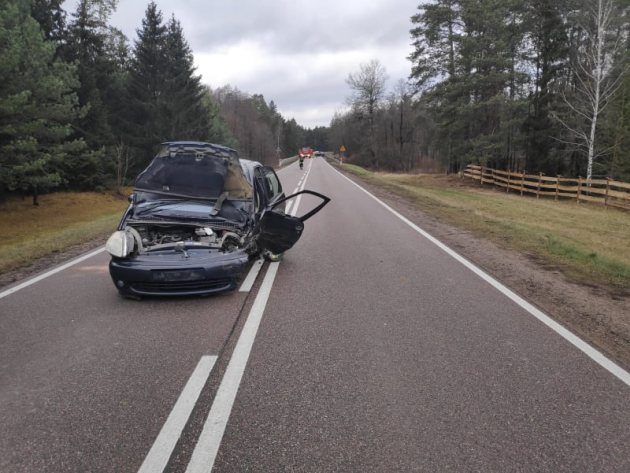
(557, 186)
(523, 181)
(607, 189)
(507, 187)
(538, 188)
(481, 180)
(579, 192)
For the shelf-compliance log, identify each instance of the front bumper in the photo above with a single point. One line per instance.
(167, 273)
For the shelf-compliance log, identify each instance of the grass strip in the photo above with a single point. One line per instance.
(62, 220)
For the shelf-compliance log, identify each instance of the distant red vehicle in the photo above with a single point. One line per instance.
(305, 153)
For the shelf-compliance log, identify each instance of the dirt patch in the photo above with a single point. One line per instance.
(595, 313)
(47, 262)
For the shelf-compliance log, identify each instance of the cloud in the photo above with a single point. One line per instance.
(297, 53)
(308, 87)
(298, 26)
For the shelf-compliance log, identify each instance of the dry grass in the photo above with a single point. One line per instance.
(589, 243)
(61, 220)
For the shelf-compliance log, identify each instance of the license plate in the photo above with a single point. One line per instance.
(179, 275)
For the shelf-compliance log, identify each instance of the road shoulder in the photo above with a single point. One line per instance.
(50, 260)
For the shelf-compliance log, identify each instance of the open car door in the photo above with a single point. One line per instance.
(278, 231)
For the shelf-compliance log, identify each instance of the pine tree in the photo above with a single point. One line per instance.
(146, 86)
(548, 56)
(439, 73)
(95, 48)
(51, 18)
(86, 48)
(218, 131)
(183, 100)
(36, 106)
(615, 133)
(492, 51)
(293, 137)
(466, 64)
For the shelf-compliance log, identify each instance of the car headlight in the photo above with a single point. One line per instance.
(120, 244)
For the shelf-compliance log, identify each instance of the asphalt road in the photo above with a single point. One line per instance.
(368, 348)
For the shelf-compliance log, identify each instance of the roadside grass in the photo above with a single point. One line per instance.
(62, 220)
(588, 243)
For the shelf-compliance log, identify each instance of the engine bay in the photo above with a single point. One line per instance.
(154, 237)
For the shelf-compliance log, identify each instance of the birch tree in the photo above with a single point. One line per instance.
(597, 75)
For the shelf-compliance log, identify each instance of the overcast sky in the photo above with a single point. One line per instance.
(297, 53)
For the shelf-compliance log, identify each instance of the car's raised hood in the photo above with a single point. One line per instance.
(195, 169)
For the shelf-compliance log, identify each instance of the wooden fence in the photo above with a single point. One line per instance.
(602, 191)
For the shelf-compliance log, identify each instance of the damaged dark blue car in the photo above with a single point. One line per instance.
(197, 216)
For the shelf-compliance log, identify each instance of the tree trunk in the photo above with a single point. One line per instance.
(596, 95)
(400, 129)
(612, 172)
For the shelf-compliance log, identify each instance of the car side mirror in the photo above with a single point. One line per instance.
(132, 198)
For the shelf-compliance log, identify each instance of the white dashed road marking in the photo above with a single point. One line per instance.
(163, 446)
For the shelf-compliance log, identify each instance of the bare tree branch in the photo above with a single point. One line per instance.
(598, 80)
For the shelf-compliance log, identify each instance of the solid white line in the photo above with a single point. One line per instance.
(297, 204)
(591, 352)
(287, 209)
(205, 452)
(50, 272)
(296, 201)
(163, 446)
(251, 276)
(301, 188)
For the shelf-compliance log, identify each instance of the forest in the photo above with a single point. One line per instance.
(536, 85)
(81, 108)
